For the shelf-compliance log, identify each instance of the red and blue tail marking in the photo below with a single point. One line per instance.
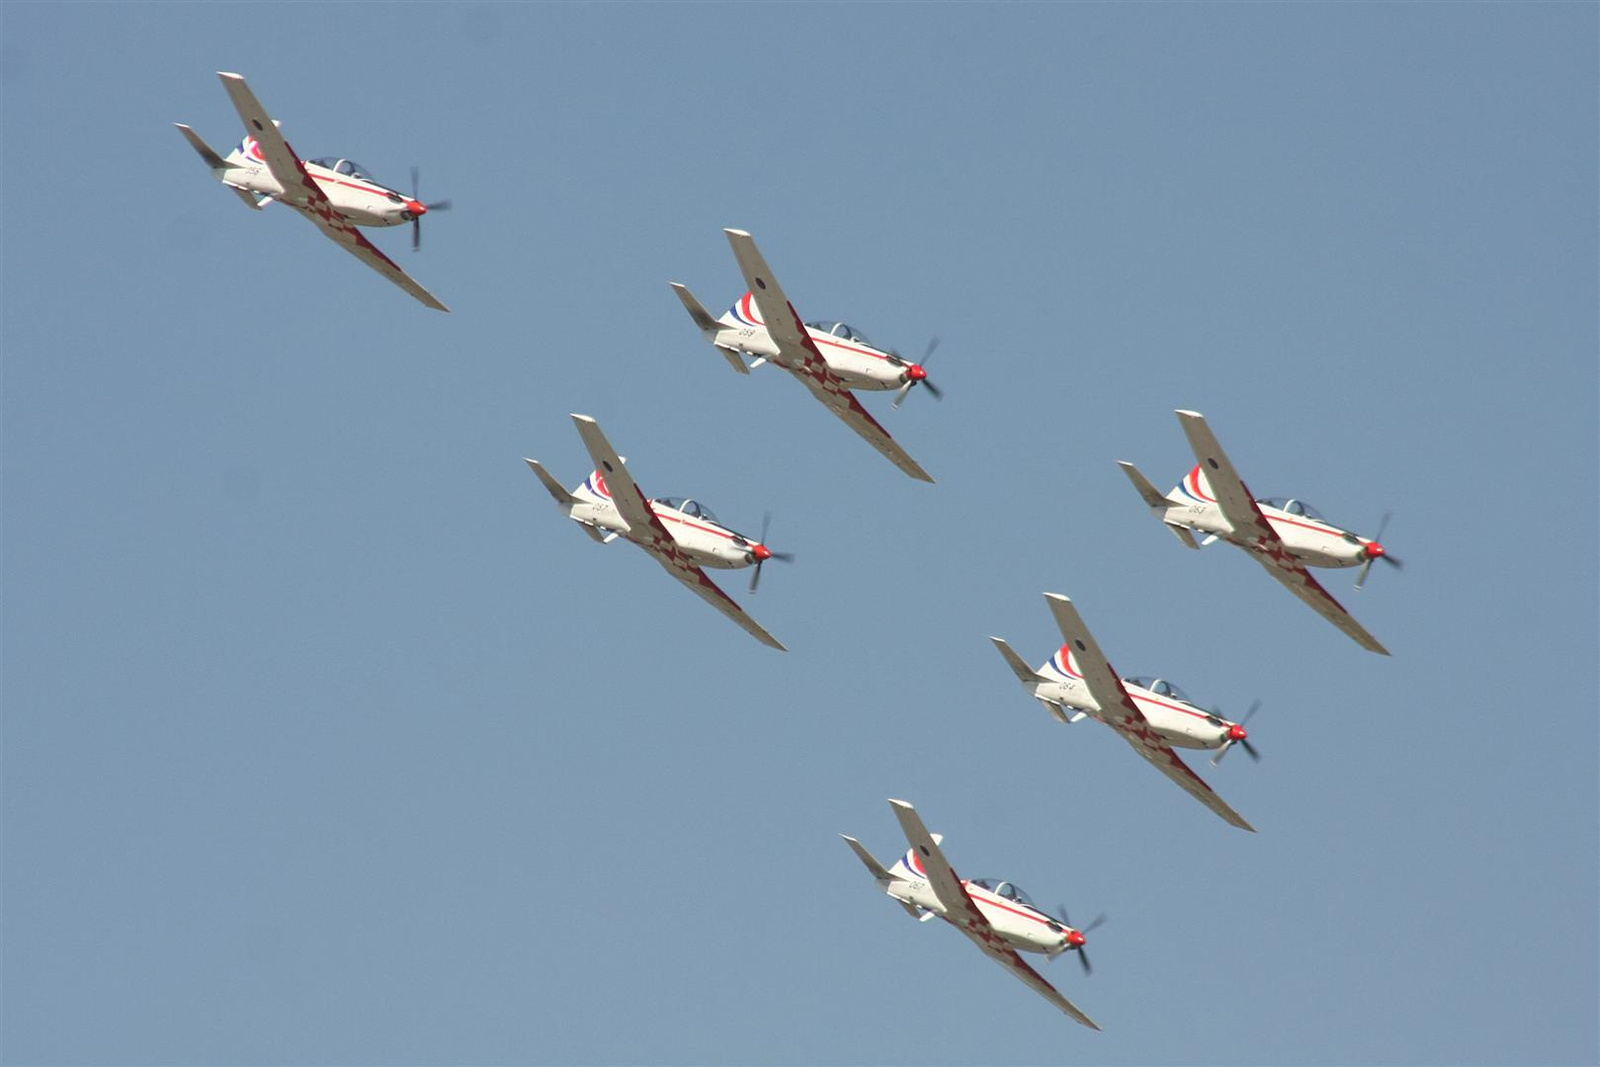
(1195, 487)
(744, 311)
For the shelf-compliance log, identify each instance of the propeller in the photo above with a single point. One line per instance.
(916, 373)
(762, 553)
(1374, 550)
(1237, 735)
(419, 209)
(1076, 939)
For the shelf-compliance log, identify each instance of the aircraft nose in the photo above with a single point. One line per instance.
(1374, 550)
(915, 373)
(416, 208)
(1237, 733)
(762, 552)
(1075, 939)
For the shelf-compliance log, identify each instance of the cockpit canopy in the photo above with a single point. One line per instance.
(843, 331)
(688, 507)
(344, 166)
(1161, 688)
(1009, 890)
(1292, 507)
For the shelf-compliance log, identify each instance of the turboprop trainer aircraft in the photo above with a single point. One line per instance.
(1151, 714)
(996, 915)
(831, 358)
(681, 535)
(1285, 536)
(336, 194)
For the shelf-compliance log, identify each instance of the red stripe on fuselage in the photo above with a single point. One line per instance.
(1036, 917)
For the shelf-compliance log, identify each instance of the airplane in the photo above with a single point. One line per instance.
(680, 534)
(1151, 714)
(996, 915)
(336, 194)
(1284, 535)
(831, 358)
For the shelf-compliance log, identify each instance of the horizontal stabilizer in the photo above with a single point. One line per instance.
(1184, 534)
(214, 161)
(555, 488)
(1152, 496)
(867, 859)
(251, 200)
(697, 311)
(1018, 665)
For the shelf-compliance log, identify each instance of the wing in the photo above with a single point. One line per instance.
(843, 403)
(347, 237)
(1298, 581)
(799, 354)
(1237, 505)
(961, 911)
(1123, 715)
(302, 193)
(646, 531)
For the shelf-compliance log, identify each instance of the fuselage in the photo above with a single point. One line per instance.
(699, 535)
(1180, 722)
(855, 362)
(1308, 538)
(1024, 926)
(359, 199)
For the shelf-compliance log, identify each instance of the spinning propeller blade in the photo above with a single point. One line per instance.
(763, 553)
(916, 373)
(1237, 736)
(1076, 939)
(416, 216)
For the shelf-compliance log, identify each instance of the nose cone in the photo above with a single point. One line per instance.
(1237, 733)
(1374, 550)
(416, 208)
(1075, 939)
(762, 552)
(915, 373)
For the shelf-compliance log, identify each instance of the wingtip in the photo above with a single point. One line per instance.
(1058, 596)
(906, 804)
(735, 233)
(230, 75)
(1184, 413)
(580, 418)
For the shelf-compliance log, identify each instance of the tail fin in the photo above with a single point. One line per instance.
(246, 154)
(553, 487)
(1018, 665)
(909, 866)
(593, 490)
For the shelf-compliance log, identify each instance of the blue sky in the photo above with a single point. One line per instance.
(326, 740)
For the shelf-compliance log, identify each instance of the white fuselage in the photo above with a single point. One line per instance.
(1026, 928)
(857, 365)
(363, 202)
(706, 542)
(1311, 541)
(1180, 723)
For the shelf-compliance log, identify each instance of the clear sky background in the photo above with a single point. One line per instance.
(327, 740)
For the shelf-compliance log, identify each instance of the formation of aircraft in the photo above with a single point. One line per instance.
(830, 358)
(1151, 714)
(680, 534)
(996, 915)
(337, 195)
(1285, 536)
(834, 360)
